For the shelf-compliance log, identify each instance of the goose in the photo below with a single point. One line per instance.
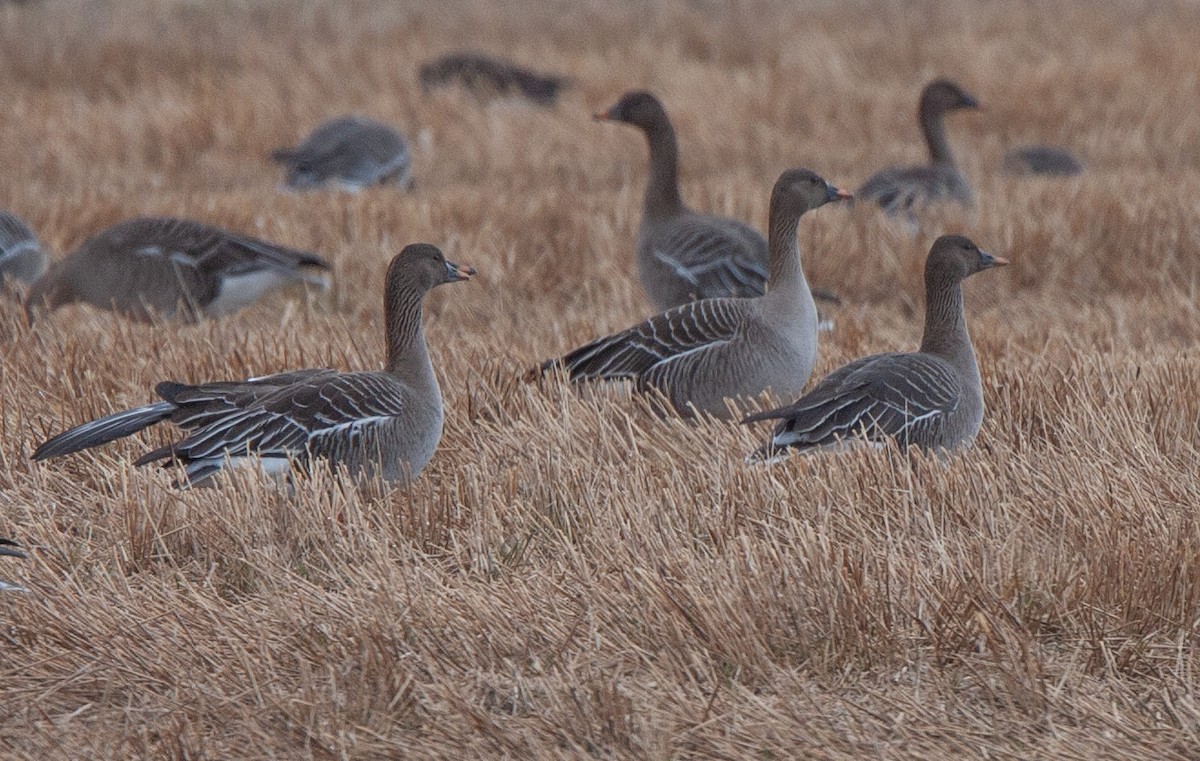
(374, 423)
(485, 75)
(702, 353)
(1042, 159)
(903, 189)
(683, 255)
(9, 548)
(931, 398)
(21, 256)
(353, 151)
(172, 268)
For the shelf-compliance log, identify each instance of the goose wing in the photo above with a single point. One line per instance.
(717, 257)
(285, 416)
(662, 340)
(901, 396)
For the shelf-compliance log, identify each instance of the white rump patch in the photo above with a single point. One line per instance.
(239, 291)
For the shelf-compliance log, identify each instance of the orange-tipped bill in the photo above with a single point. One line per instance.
(456, 272)
(993, 261)
(603, 116)
(834, 193)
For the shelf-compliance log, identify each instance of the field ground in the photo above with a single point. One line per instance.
(573, 577)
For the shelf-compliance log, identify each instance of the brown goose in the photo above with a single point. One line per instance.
(702, 353)
(9, 548)
(1042, 159)
(904, 189)
(21, 256)
(486, 76)
(174, 268)
(375, 424)
(352, 151)
(683, 255)
(931, 398)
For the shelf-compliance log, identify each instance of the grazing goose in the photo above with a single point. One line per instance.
(683, 255)
(174, 268)
(903, 189)
(9, 548)
(931, 398)
(352, 151)
(384, 424)
(486, 76)
(1042, 159)
(704, 352)
(21, 256)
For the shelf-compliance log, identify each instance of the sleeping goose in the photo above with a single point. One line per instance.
(352, 151)
(702, 353)
(21, 256)
(683, 255)
(1042, 159)
(374, 423)
(173, 268)
(931, 398)
(487, 76)
(904, 189)
(9, 548)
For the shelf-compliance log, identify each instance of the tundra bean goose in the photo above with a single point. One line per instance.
(174, 268)
(904, 189)
(21, 256)
(704, 352)
(931, 398)
(9, 548)
(683, 255)
(486, 76)
(1042, 159)
(376, 424)
(352, 151)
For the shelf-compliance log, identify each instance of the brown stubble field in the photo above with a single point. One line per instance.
(573, 577)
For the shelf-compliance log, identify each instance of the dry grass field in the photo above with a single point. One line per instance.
(573, 577)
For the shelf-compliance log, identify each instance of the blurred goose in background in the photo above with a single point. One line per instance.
(683, 255)
(353, 151)
(172, 268)
(905, 189)
(931, 398)
(21, 255)
(375, 424)
(1042, 159)
(487, 76)
(9, 548)
(702, 353)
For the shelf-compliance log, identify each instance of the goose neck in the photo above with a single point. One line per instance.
(945, 333)
(407, 355)
(934, 128)
(662, 188)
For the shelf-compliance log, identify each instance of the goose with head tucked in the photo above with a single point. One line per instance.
(22, 257)
(703, 353)
(171, 268)
(931, 398)
(352, 151)
(376, 424)
(904, 189)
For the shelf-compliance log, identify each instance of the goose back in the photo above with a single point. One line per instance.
(173, 268)
(1042, 159)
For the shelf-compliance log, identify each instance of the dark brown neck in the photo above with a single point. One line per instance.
(662, 189)
(946, 333)
(932, 125)
(407, 357)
